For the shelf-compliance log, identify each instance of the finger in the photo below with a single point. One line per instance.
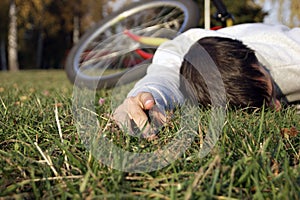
(157, 120)
(120, 116)
(138, 115)
(146, 100)
(130, 116)
(132, 122)
(157, 116)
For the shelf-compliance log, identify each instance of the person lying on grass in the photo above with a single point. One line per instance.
(259, 65)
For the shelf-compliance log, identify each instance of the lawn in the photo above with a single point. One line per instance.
(43, 157)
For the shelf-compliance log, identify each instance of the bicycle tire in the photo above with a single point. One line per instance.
(108, 31)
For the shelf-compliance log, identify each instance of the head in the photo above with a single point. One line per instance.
(246, 81)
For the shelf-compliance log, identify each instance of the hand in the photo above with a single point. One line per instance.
(139, 114)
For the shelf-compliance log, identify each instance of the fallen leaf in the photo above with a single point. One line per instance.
(275, 167)
(23, 98)
(289, 132)
(59, 105)
(31, 90)
(46, 93)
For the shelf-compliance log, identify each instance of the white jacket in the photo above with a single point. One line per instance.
(277, 47)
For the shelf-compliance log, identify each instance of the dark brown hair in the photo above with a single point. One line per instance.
(237, 66)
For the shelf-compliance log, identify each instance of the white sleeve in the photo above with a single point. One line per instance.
(163, 75)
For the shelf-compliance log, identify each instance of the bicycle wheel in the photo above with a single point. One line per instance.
(105, 53)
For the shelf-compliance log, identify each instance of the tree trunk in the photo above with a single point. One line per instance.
(3, 55)
(76, 29)
(12, 38)
(39, 53)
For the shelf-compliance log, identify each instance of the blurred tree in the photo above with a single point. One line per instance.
(4, 10)
(295, 13)
(294, 7)
(79, 15)
(38, 33)
(35, 20)
(13, 63)
(94, 13)
(244, 11)
(71, 14)
(53, 27)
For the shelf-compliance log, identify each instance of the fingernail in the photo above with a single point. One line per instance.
(149, 102)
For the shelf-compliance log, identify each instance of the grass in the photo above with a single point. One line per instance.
(43, 157)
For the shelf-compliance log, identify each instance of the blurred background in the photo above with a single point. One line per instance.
(38, 34)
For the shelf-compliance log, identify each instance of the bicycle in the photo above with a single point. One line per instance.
(110, 45)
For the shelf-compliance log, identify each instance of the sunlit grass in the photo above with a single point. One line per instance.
(256, 157)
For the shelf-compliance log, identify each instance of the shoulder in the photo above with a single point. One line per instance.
(261, 29)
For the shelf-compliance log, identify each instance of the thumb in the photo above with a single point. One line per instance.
(147, 100)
